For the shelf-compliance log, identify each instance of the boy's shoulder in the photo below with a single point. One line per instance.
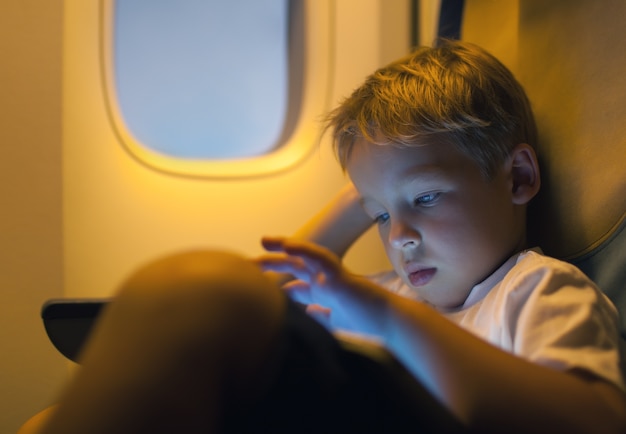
(548, 311)
(534, 271)
(540, 286)
(558, 317)
(528, 292)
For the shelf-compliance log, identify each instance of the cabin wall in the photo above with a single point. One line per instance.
(79, 213)
(119, 213)
(31, 235)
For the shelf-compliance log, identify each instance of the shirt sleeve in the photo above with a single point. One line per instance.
(567, 322)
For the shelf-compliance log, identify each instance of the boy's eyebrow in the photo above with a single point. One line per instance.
(418, 174)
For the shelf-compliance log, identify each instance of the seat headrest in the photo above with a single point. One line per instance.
(569, 58)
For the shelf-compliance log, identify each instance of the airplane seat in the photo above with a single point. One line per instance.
(567, 55)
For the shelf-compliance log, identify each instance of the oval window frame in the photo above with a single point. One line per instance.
(302, 133)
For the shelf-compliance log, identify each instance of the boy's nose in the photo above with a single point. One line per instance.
(404, 237)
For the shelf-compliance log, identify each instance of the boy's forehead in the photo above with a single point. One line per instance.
(372, 164)
(393, 156)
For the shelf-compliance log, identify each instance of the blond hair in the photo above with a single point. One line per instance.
(455, 91)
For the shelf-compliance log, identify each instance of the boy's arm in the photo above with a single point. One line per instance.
(486, 388)
(339, 224)
(336, 226)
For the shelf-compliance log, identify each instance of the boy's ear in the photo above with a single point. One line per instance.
(524, 173)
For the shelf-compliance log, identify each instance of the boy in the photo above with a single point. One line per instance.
(438, 145)
(439, 148)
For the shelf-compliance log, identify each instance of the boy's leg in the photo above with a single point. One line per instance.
(181, 332)
(204, 342)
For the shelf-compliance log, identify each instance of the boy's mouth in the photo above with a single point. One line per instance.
(421, 277)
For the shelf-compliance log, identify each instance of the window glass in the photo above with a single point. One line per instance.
(202, 79)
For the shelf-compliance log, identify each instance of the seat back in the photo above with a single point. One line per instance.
(569, 57)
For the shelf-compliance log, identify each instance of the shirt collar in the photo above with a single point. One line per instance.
(480, 290)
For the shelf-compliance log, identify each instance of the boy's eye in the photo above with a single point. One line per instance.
(427, 199)
(381, 218)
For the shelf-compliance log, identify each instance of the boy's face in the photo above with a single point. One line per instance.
(444, 226)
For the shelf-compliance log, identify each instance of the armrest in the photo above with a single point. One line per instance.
(68, 322)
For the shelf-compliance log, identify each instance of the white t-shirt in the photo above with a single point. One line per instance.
(541, 309)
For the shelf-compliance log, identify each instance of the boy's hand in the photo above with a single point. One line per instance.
(337, 298)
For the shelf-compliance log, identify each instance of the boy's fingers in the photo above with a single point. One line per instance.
(302, 259)
(296, 285)
(303, 249)
(320, 313)
(273, 244)
(273, 260)
(279, 279)
(293, 265)
(316, 309)
(319, 257)
(296, 247)
(298, 291)
(316, 257)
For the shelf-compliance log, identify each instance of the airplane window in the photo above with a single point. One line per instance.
(202, 79)
(213, 88)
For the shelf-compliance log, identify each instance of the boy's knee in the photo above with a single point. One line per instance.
(189, 301)
(182, 333)
(200, 280)
(197, 275)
